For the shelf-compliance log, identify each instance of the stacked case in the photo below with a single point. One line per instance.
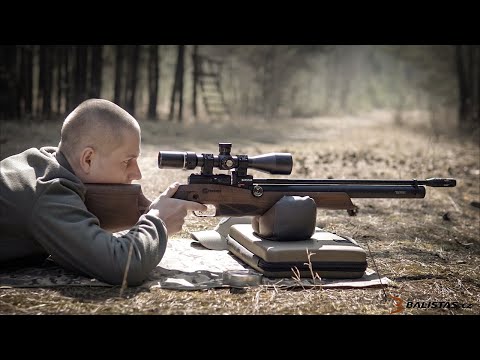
(331, 255)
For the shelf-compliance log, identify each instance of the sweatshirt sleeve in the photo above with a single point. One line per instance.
(71, 234)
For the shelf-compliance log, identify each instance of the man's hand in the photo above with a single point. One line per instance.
(173, 211)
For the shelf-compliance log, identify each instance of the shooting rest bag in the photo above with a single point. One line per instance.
(292, 218)
(331, 256)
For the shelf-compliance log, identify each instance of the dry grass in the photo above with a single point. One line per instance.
(428, 247)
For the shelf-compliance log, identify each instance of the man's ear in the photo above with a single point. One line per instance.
(86, 157)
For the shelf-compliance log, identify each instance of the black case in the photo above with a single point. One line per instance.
(332, 256)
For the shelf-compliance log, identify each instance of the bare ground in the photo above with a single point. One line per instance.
(428, 247)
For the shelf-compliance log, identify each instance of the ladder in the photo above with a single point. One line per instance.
(208, 75)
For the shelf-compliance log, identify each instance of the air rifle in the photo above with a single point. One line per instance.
(118, 206)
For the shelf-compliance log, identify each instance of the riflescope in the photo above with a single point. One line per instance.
(273, 163)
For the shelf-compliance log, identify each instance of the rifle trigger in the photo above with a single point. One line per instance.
(210, 212)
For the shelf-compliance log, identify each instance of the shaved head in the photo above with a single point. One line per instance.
(96, 123)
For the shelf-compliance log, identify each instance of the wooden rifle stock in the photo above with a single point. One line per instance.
(117, 206)
(234, 201)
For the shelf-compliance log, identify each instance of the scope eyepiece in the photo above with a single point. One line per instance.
(177, 159)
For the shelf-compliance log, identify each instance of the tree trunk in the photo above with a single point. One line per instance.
(468, 74)
(153, 74)
(81, 74)
(96, 67)
(26, 80)
(41, 78)
(59, 70)
(181, 60)
(178, 85)
(331, 81)
(132, 79)
(48, 82)
(462, 86)
(195, 80)
(69, 78)
(476, 84)
(345, 79)
(8, 82)
(119, 57)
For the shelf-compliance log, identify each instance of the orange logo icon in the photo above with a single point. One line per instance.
(397, 303)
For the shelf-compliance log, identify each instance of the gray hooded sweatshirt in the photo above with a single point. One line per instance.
(42, 213)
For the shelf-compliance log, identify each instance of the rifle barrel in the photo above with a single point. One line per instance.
(353, 191)
(433, 182)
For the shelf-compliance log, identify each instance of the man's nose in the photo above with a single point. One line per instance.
(136, 174)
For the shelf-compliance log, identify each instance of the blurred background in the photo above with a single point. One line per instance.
(204, 83)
